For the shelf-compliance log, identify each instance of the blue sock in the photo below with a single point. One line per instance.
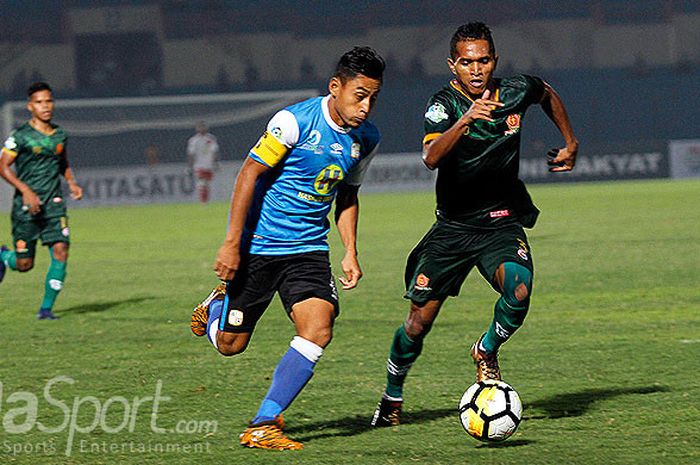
(215, 309)
(291, 375)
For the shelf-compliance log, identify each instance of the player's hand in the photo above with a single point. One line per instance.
(562, 159)
(228, 259)
(481, 109)
(351, 270)
(31, 202)
(76, 192)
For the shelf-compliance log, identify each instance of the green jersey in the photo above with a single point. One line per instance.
(477, 181)
(40, 161)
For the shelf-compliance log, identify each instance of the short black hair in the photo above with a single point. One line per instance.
(37, 87)
(360, 60)
(472, 31)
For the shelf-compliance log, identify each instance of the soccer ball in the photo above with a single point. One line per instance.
(490, 410)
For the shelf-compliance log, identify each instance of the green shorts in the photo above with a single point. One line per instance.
(439, 264)
(25, 233)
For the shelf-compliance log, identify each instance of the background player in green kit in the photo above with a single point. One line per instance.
(472, 136)
(38, 151)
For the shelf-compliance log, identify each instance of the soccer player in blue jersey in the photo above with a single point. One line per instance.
(311, 154)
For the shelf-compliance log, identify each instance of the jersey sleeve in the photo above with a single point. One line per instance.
(281, 135)
(437, 118)
(11, 145)
(534, 89)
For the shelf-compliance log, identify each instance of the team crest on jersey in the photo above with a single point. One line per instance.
(422, 283)
(36, 149)
(59, 148)
(436, 113)
(513, 122)
(328, 178)
(355, 150)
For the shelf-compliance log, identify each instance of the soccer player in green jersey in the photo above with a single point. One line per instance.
(472, 137)
(38, 151)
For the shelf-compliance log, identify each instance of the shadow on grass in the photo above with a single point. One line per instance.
(504, 444)
(103, 306)
(575, 404)
(358, 424)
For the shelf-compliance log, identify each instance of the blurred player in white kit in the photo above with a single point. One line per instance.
(203, 158)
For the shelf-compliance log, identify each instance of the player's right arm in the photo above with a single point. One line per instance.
(435, 149)
(7, 158)
(228, 258)
(281, 135)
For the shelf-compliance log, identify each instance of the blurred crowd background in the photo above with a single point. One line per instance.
(627, 70)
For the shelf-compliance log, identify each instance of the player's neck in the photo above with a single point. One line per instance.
(490, 86)
(44, 127)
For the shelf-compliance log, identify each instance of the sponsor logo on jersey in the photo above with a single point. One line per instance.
(422, 283)
(313, 143)
(513, 122)
(336, 148)
(355, 150)
(328, 178)
(235, 318)
(436, 113)
(11, 143)
(21, 246)
(499, 213)
(276, 131)
(65, 232)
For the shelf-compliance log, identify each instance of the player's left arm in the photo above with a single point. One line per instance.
(347, 210)
(76, 192)
(562, 159)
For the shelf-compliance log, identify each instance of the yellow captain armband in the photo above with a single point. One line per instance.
(431, 137)
(269, 149)
(10, 153)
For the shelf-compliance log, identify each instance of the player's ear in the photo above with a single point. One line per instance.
(495, 61)
(451, 65)
(334, 86)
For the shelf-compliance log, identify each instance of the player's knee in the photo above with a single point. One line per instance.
(321, 336)
(416, 326)
(517, 285)
(229, 346)
(25, 265)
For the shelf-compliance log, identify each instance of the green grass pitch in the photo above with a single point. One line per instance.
(607, 364)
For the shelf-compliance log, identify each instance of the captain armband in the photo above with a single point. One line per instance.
(269, 149)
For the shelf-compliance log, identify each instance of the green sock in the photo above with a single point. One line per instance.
(10, 258)
(55, 277)
(509, 313)
(404, 351)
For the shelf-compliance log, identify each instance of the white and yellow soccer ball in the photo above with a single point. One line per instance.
(490, 410)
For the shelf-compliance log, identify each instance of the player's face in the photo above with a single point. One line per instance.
(473, 65)
(353, 100)
(40, 105)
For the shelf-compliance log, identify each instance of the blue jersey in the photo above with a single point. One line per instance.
(309, 156)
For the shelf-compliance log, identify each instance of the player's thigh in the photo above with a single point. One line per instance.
(249, 294)
(307, 276)
(505, 245)
(437, 267)
(55, 233)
